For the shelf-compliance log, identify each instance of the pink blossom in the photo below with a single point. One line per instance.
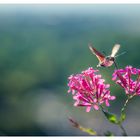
(129, 79)
(88, 89)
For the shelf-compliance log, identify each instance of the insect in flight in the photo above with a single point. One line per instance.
(105, 61)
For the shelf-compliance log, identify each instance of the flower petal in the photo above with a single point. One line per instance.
(88, 109)
(96, 107)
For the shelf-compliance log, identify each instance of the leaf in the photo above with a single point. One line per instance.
(88, 130)
(111, 117)
(108, 133)
(122, 117)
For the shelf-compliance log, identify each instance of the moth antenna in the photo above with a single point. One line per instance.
(120, 54)
(90, 44)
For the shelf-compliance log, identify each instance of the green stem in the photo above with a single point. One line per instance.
(126, 102)
(123, 112)
(124, 132)
(119, 123)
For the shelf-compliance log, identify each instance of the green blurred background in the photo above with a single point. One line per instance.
(41, 45)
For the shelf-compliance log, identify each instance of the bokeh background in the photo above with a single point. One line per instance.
(41, 45)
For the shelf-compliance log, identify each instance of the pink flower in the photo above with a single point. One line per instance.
(129, 79)
(89, 90)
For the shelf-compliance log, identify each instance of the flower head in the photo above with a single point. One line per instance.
(125, 78)
(89, 90)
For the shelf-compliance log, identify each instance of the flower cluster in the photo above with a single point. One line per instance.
(89, 90)
(125, 78)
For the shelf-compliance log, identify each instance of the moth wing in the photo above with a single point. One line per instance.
(115, 50)
(100, 56)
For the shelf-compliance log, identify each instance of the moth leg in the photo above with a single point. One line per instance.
(115, 64)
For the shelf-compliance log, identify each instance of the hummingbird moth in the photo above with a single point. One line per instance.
(105, 61)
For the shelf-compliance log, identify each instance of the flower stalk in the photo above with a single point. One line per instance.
(126, 102)
(113, 119)
(122, 128)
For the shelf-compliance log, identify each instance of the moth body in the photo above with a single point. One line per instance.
(105, 61)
